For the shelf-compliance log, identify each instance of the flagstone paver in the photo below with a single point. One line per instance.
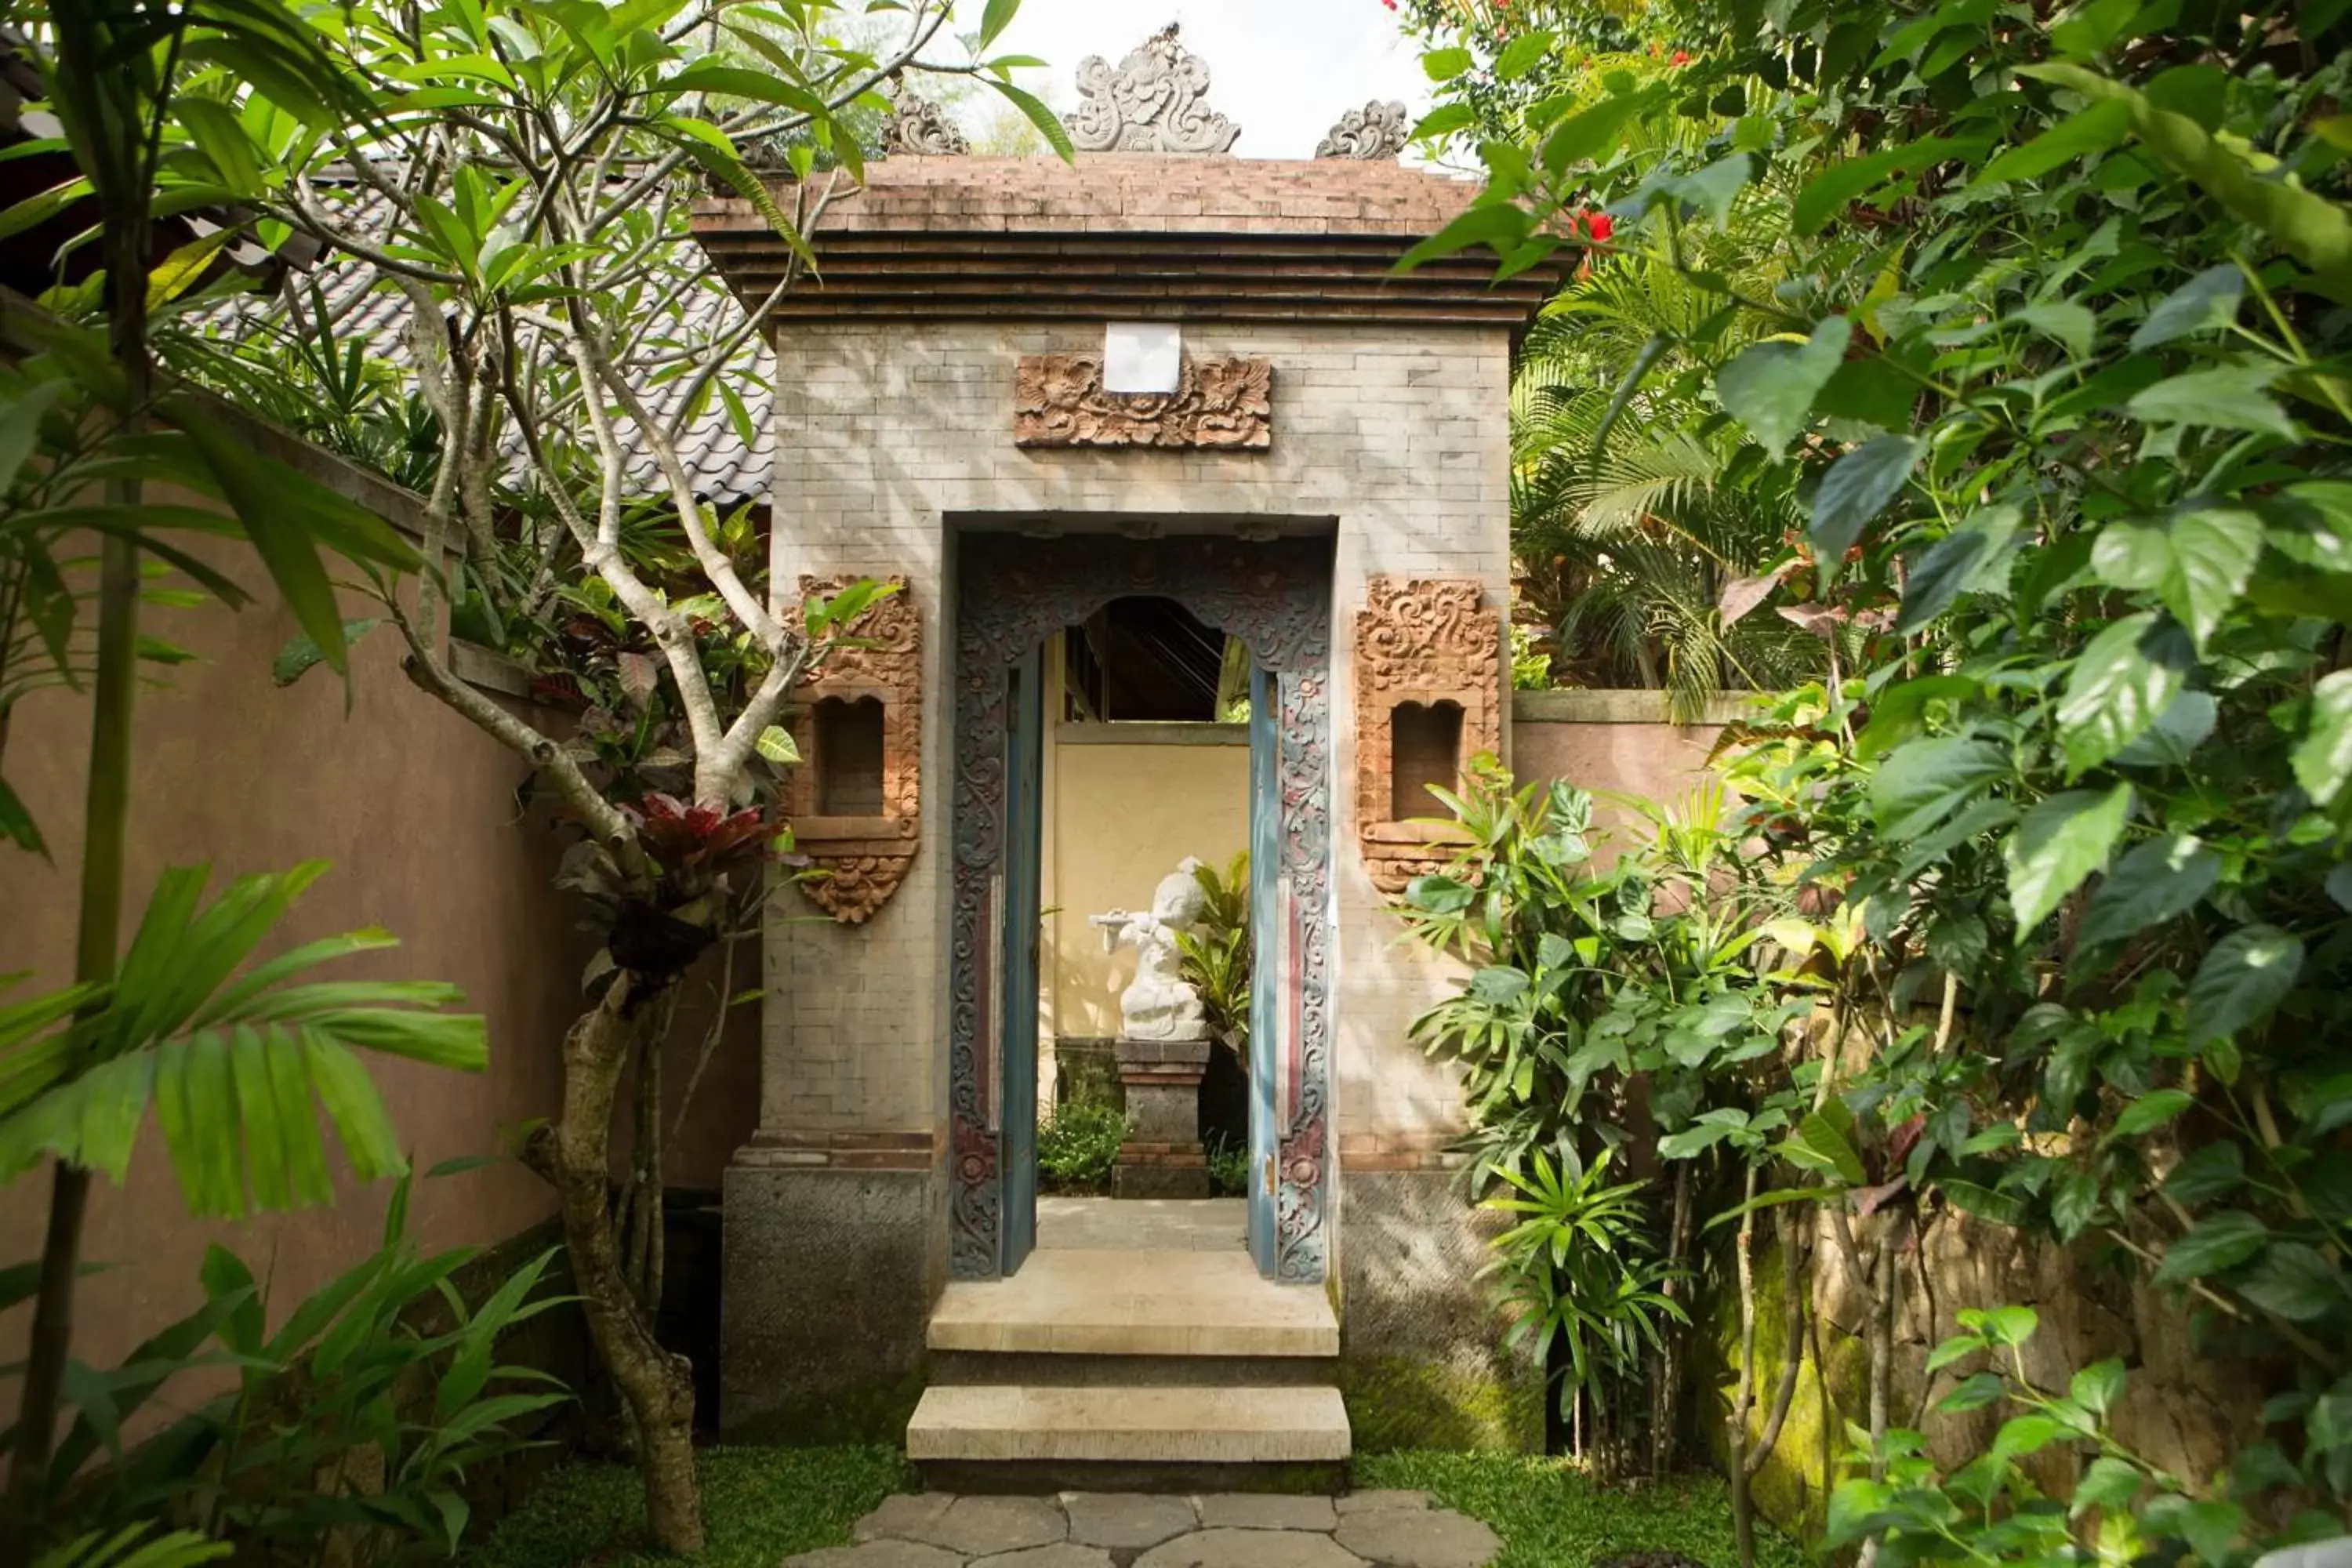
(990, 1526)
(1418, 1538)
(1061, 1554)
(1266, 1510)
(879, 1554)
(902, 1518)
(1132, 1521)
(1380, 1501)
(1131, 1529)
(1250, 1549)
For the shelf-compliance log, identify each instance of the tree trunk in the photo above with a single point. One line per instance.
(576, 1157)
(1743, 1526)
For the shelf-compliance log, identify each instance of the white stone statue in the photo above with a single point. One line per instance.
(1159, 1005)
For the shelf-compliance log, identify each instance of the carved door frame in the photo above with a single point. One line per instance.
(1276, 595)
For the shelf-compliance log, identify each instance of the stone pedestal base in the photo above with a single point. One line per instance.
(1162, 1157)
(828, 1284)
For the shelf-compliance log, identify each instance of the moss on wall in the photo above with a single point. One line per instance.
(1397, 1402)
(1791, 1488)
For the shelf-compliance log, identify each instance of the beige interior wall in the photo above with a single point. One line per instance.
(1123, 816)
(417, 812)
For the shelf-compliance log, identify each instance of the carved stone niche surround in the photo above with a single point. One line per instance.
(1423, 641)
(866, 856)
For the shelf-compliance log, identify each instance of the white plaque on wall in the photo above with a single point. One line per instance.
(1142, 356)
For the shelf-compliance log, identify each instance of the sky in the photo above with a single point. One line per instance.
(1285, 70)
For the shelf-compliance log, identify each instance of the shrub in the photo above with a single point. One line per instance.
(1078, 1145)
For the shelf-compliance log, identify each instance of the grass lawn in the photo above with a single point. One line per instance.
(758, 1507)
(761, 1505)
(1550, 1516)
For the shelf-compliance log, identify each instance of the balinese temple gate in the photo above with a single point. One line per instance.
(1030, 392)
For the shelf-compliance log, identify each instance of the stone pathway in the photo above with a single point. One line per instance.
(1127, 1529)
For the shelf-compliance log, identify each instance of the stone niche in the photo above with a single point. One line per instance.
(1428, 698)
(857, 797)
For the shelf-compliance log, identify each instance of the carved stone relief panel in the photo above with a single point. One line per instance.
(1220, 403)
(1428, 675)
(1154, 102)
(857, 797)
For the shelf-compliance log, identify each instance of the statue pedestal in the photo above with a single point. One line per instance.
(1162, 1157)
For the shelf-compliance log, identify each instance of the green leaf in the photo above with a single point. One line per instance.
(17, 824)
(2226, 397)
(297, 657)
(1820, 1143)
(1498, 225)
(2212, 1172)
(2128, 675)
(2313, 229)
(1835, 188)
(2323, 758)
(2196, 562)
(2154, 882)
(2296, 1281)
(20, 426)
(1048, 123)
(1584, 136)
(995, 19)
(2058, 844)
(2241, 981)
(1983, 1202)
(2094, 130)
(2110, 1483)
(2072, 326)
(2206, 302)
(1966, 560)
(2148, 1112)
(1524, 53)
(1445, 65)
(1770, 388)
(2218, 1242)
(775, 743)
(1920, 784)
(1857, 489)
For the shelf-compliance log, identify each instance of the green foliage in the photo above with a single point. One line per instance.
(2123, 1509)
(762, 1505)
(1078, 1145)
(348, 1430)
(1548, 1513)
(1217, 953)
(1579, 1269)
(1229, 1169)
(235, 1057)
(2075, 525)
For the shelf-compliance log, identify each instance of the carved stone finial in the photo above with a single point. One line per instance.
(919, 128)
(1375, 132)
(1152, 103)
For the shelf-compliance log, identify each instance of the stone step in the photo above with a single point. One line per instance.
(1006, 1424)
(1118, 1302)
(1043, 1369)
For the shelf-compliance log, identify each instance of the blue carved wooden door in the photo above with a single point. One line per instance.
(1265, 951)
(1024, 755)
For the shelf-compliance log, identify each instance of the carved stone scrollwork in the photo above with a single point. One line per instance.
(1426, 641)
(867, 857)
(1376, 132)
(1152, 103)
(919, 128)
(1225, 404)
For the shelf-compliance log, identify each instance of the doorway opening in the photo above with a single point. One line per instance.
(1137, 833)
(1165, 614)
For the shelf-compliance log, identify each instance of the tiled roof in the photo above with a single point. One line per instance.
(725, 470)
(1106, 193)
